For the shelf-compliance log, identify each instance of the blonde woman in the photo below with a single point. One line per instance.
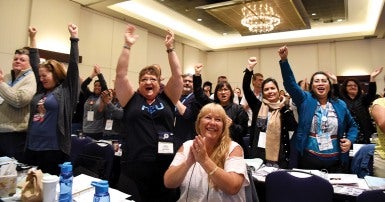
(211, 167)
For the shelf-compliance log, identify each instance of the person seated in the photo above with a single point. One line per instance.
(377, 111)
(211, 167)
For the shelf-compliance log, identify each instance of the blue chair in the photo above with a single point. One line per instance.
(283, 186)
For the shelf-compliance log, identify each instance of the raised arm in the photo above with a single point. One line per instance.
(123, 87)
(34, 57)
(289, 81)
(247, 92)
(72, 78)
(174, 86)
(200, 96)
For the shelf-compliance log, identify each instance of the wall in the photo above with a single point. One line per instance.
(101, 40)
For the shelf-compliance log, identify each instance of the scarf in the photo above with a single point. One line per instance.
(273, 130)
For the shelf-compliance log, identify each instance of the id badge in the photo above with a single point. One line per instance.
(324, 142)
(262, 140)
(165, 143)
(109, 124)
(90, 115)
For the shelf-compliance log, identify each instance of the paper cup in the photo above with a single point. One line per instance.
(49, 187)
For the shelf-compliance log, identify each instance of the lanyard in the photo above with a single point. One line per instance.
(186, 98)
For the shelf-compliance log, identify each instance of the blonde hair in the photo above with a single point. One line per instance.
(221, 149)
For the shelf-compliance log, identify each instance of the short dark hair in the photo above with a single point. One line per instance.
(208, 83)
(255, 76)
(22, 51)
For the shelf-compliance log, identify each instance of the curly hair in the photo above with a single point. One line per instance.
(343, 90)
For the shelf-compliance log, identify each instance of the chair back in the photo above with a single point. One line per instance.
(283, 186)
(250, 190)
(95, 160)
(372, 196)
(77, 146)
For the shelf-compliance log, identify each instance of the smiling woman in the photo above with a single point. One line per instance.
(199, 167)
(49, 129)
(272, 120)
(148, 122)
(326, 128)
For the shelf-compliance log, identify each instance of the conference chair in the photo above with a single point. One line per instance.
(95, 160)
(297, 186)
(77, 146)
(372, 196)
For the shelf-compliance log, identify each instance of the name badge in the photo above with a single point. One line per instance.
(90, 115)
(262, 140)
(109, 124)
(165, 143)
(324, 142)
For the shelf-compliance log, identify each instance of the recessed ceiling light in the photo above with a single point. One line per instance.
(313, 14)
(339, 20)
(199, 19)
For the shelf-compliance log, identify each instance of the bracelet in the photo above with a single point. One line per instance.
(212, 172)
(127, 47)
(170, 50)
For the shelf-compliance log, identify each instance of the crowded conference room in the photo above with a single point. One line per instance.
(203, 100)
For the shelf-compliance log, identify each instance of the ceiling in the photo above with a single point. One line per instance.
(302, 21)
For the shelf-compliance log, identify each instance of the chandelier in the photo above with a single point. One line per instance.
(259, 17)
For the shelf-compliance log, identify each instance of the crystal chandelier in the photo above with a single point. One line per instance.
(259, 17)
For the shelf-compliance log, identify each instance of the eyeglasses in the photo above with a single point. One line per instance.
(225, 90)
(152, 80)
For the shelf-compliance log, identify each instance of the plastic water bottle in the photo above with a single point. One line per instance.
(101, 191)
(66, 182)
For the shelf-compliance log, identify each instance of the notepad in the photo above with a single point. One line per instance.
(255, 163)
(375, 182)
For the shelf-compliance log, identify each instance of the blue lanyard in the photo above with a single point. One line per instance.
(12, 83)
(186, 98)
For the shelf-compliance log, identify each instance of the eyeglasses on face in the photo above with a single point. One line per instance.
(144, 80)
(224, 90)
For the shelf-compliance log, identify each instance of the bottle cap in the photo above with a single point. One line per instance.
(66, 167)
(101, 186)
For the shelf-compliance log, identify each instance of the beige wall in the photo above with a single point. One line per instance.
(101, 40)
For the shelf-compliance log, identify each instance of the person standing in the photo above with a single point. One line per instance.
(186, 111)
(224, 95)
(358, 102)
(94, 119)
(49, 130)
(326, 129)
(148, 121)
(257, 80)
(16, 92)
(269, 138)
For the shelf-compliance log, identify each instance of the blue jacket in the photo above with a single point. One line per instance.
(306, 105)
